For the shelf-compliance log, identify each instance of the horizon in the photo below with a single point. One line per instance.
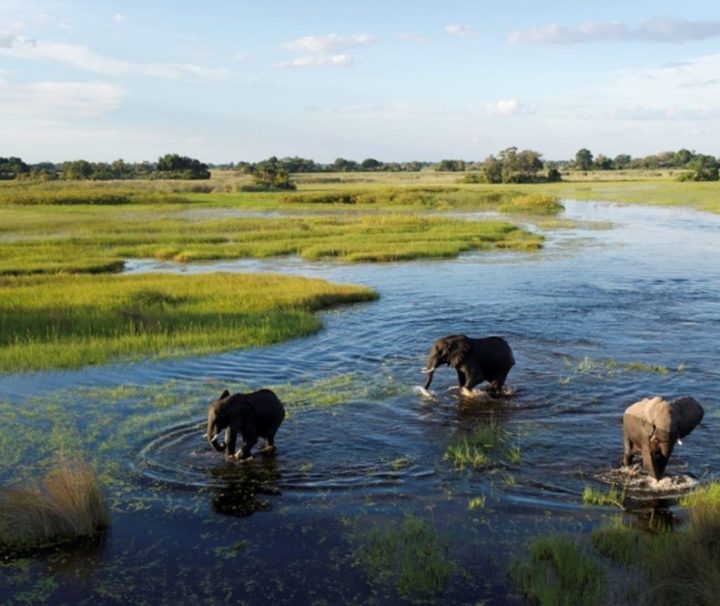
(421, 81)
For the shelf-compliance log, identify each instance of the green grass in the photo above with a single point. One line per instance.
(591, 496)
(560, 573)
(618, 543)
(70, 321)
(97, 239)
(411, 556)
(483, 447)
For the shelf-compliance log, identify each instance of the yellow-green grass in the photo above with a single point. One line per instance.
(69, 321)
(66, 505)
(94, 240)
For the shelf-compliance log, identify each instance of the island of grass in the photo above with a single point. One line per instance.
(69, 321)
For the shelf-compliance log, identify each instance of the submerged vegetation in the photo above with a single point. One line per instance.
(71, 321)
(410, 556)
(65, 506)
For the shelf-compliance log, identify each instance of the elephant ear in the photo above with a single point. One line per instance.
(457, 351)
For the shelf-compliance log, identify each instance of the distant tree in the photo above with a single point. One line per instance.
(370, 164)
(704, 168)
(76, 169)
(341, 165)
(583, 159)
(622, 161)
(492, 170)
(450, 165)
(529, 163)
(271, 174)
(553, 175)
(12, 168)
(174, 166)
(602, 162)
(683, 157)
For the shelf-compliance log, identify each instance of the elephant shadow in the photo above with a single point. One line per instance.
(239, 488)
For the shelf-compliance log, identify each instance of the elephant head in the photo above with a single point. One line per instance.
(653, 426)
(218, 419)
(450, 351)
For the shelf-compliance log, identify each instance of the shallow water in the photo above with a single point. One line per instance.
(623, 306)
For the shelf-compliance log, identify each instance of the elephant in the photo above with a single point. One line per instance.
(475, 360)
(653, 425)
(252, 415)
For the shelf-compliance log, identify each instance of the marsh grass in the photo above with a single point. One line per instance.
(618, 543)
(65, 506)
(560, 573)
(482, 447)
(71, 321)
(411, 556)
(591, 496)
(601, 369)
(684, 566)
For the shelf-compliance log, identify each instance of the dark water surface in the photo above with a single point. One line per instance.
(623, 306)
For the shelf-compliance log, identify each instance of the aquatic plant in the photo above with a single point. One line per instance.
(410, 555)
(482, 447)
(65, 506)
(618, 543)
(560, 573)
(591, 496)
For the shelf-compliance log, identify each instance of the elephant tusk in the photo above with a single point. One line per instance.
(679, 441)
(205, 436)
(427, 371)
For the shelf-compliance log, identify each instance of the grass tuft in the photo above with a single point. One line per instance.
(560, 573)
(65, 506)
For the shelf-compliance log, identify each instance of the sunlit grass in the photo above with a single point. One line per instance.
(66, 505)
(483, 447)
(591, 496)
(618, 543)
(71, 321)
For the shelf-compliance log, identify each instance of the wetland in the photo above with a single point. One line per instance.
(377, 494)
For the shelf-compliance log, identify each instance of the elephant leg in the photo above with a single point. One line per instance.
(250, 438)
(648, 462)
(230, 441)
(462, 379)
(627, 451)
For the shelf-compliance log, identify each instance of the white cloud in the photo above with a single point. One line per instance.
(80, 57)
(241, 56)
(328, 44)
(661, 29)
(505, 107)
(55, 99)
(409, 37)
(300, 62)
(662, 113)
(119, 18)
(460, 30)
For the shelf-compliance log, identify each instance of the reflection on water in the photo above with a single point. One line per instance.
(597, 320)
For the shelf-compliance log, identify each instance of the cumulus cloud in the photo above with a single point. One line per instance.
(312, 61)
(662, 29)
(460, 30)
(328, 44)
(52, 99)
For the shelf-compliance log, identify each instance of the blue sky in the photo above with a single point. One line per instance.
(393, 80)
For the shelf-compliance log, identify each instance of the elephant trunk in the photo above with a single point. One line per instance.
(214, 438)
(429, 372)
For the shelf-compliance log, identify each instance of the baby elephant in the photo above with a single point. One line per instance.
(252, 415)
(653, 425)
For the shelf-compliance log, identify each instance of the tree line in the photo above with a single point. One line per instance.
(510, 165)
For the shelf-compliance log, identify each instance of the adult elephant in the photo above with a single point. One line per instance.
(653, 425)
(252, 415)
(475, 360)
